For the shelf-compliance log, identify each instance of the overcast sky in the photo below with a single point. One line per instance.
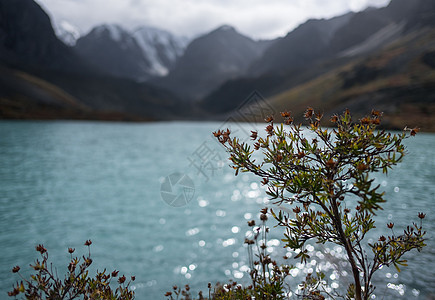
(255, 18)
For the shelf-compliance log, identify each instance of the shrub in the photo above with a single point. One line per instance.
(325, 176)
(77, 284)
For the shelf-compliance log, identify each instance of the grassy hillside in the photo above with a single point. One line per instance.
(399, 80)
(55, 95)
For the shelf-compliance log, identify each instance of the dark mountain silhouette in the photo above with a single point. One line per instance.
(40, 77)
(382, 58)
(114, 51)
(210, 60)
(307, 44)
(309, 59)
(27, 39)
(147, 52)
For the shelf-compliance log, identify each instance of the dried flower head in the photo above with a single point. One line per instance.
(376, 113)
(285, 114)
(330, 163)
(309, 113)
(366, 121)
(217, 133)
(40, 248)
(15, 292)
(300, 155)
(269, 129)
(121, 279)
(334, 119)
(268, 119)
(288, 121)
(414, 131)
(254, 135)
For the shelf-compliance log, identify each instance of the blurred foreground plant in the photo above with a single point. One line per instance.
(315, 171)
(268, 279)
(77, 284)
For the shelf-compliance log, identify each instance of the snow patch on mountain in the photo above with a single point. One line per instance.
(161, 48)
(154, 51)
(66, 32)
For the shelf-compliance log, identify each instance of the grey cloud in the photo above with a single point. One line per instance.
(257, 18)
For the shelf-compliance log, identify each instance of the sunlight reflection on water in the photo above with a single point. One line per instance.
(100, 181)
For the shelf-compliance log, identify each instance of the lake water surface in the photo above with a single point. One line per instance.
(62, 183)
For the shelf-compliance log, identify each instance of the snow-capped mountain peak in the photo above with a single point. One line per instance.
(161, 47)
(66, 32)
(147, 51)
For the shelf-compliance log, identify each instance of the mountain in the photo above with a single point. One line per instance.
(347, 35)
(27, 39)
(378, 58)
(161, 47)
(42, 78)
(398, 80)
(113, 50)
(210, 60)
(144, 53)
(323, 63)
(307, 44)
(67, 33)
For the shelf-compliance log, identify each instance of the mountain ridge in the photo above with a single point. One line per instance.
(211, 59)
(38, 72)
(139, 54)
(378, 57)
(273, 78)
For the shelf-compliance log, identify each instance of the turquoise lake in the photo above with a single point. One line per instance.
(63, 182)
